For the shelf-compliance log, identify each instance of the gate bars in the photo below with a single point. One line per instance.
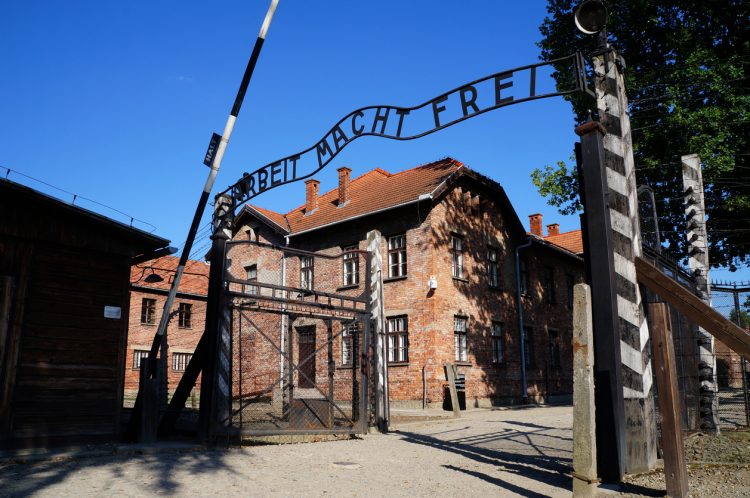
(299, 333)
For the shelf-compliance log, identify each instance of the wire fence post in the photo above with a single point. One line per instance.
(692, 180)
(738, 319)
(622, 204)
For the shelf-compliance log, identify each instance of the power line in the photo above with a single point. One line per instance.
(77, 196)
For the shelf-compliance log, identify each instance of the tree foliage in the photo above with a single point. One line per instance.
(688, 64)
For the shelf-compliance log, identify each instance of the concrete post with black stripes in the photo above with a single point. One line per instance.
(216, 385)
(692, 180)
(635, 347)
(377, 318)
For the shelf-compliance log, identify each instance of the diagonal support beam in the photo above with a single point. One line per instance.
(693, 307)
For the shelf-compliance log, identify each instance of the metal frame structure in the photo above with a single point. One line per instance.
(250, 185)
(211, 354)
(296, 302)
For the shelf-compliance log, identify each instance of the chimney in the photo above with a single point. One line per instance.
(343, 185)
(311, 195)
(535, 224)
(553, 229)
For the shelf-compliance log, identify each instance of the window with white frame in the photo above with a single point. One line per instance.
(348, 333)
(251, 275)
(351, 265)
(397, 256)
(457, 256)
(139, 356)
(180, 361)
(306, 273)
(459, 338)
(185, 316)
(498, 344)
(398, 339)
(493, 268)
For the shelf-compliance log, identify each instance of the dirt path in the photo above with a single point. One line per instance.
(487, 453)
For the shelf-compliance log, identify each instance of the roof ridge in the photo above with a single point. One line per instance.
(444, 159)
(261, 210)
(366, 173)
(563, 233)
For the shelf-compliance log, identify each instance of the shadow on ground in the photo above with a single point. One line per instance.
(542, 461)
(24, 479)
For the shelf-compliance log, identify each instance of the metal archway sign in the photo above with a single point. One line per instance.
(502, 89)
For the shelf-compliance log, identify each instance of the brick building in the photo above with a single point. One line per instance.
(449, 243)
(149, 286)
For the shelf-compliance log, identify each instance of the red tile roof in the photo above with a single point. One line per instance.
(194, 279)
(570, 241)
(373, 191)
(273, 216)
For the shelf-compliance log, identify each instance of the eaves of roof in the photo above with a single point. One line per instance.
(247, 208)
(540, 241)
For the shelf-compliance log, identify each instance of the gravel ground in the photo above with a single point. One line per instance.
(718, 466)
(485, 453)
(524, 452)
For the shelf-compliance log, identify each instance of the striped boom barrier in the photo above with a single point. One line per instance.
(635, 347)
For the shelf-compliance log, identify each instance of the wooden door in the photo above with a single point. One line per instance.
(306, 360)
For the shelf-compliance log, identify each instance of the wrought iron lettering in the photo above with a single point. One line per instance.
(407, 123)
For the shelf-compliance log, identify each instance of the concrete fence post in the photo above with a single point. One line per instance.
(695, 214)
(637, 378)
(382, 411)
(584, 412)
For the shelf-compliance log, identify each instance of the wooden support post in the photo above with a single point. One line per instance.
(693, 307)
(450, 374)
(675, 471)
(148, 416)
(184, 388)
(584, 413)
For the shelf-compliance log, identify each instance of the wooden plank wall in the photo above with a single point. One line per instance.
(68, 380)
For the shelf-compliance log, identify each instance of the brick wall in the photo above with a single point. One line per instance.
(180, 339)
(468, 211)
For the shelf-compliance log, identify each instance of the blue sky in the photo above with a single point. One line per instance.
(116, 101)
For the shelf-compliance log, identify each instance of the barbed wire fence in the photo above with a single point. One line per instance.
(732, 300)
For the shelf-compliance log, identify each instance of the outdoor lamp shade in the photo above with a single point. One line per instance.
(153, 278)
(591, 16)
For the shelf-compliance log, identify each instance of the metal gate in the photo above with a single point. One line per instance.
(300, 339)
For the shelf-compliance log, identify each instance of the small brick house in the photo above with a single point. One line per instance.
(449, 242)
(149, 286)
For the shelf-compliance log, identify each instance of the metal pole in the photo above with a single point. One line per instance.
(215, 164)
(521, 332)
